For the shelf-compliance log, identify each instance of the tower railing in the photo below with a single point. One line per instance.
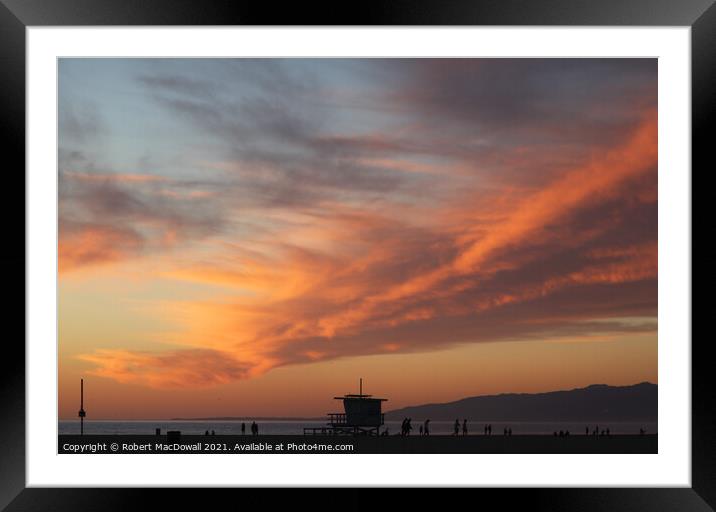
(337, 418)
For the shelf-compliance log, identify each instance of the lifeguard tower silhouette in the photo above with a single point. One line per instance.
(362, 416)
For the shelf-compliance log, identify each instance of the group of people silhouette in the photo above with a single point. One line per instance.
(456, 428)
(407, 427)
(459, 427)
(254, 429)
(597, 432)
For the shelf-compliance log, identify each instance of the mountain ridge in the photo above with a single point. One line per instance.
(591, 403)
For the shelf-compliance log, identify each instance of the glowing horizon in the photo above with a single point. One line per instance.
(251, 236)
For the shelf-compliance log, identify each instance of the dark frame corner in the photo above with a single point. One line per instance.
(17, 15)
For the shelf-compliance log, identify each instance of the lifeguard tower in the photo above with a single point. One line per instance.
(362, 415)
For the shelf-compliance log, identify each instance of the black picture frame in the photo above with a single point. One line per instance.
(17, 15)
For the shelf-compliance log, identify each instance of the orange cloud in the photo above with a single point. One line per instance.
(196, 368)
(330, 276)
(373, 271)
(442, 201)
(113, 178)
(599, 177)
(83, 244)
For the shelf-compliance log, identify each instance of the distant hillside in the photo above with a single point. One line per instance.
(598, 402)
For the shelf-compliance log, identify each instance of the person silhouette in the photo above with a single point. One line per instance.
(421, 430)
(587, 431)
(509, 431)
(464, 427)
(404, 427)
(206, 433)
(456, 428)
(607, 431)
(489, 429)
(408, 427)
(243, 428)
(213, 433)
(426, 427)
(254, 428)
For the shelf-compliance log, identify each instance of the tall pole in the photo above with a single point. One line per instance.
(361, 386)
(82, 412)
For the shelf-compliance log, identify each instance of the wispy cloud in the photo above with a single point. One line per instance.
(456, 201)
(87, 244)
(201, 368)
(112, 178)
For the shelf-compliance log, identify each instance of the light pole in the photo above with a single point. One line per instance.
(82, 412)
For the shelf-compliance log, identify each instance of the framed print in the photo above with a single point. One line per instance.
(423, 246)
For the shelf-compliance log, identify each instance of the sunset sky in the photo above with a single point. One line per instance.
(251, 236)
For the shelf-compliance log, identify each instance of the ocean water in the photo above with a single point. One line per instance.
(292, 427)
